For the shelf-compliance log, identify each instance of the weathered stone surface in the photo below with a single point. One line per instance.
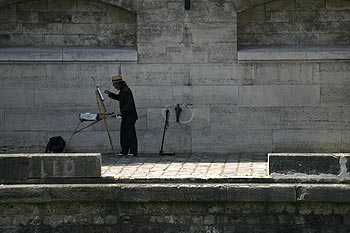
(14, 167)
(222, 52)
(64, 5)
(334, 73)
(244, 118)
(155, 74)
(8, 14)
(206, 95)
(315, 118)
(335, 95)
(307, 140)
(90, 6)
(153, 96)
(16, 98)
(304, 163)
(319, 193)
(337, 5)
(213, 32)
(207, 75)
(22, 75)
(36, 5)
(151, 53)
(64, 165)
(2, 119)
(231, 141)
(283, 95)
(19, 141)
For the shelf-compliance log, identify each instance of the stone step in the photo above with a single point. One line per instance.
(44, 166)
(314, 164)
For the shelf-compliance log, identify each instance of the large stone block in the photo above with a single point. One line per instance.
(19, 141)
(153, 96)
(334, 73)
(54, 17)
(14, 166)
(310, 5)
(64, 165)
(315, 118)
(326, 16)
(11, 28)
(155, 74)
(208, 75)
(160, 33)
(222, 52)
(69, 75)
(89, 17)
(90, 6)
(304, 163)
(307, 140)
(8, 14)
(221, 11)
(16, 98)
(22, 75)
(283, 95)
(206, 95)
(231, 141)
(284, 73)
(45, 28)
(151, 53)
(63, 5)
(65, 97)
(119, 15)
(81, 29)
(337, 5)
(42, 119)
(28, 17)
(36, 5)
(179, 54)
(335, 95)
(214, 32)
(244, 118)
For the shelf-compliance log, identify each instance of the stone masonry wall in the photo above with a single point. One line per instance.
(187, 58)
(294, 22)
(174, 217)
(66, 23)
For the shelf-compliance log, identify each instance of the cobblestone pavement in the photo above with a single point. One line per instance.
(186, 166)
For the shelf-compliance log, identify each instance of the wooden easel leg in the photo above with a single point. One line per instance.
(71, 136)
(109, 137)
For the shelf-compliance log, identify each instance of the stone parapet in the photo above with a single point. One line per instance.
(46, 166)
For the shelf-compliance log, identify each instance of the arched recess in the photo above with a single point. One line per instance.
(72, 23)
(299, 26)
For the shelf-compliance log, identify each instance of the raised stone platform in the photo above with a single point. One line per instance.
(327, 165)
(46, 166)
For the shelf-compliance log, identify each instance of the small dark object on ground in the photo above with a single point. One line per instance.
(55, 145)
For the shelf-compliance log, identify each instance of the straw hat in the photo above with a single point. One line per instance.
(117, 78)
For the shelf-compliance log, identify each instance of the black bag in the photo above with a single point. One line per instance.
(55, 145)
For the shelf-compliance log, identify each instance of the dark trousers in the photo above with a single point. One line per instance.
(128, 139)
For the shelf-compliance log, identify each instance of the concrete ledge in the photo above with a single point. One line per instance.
(325, 165)
(38, 166)
(271, 53)
(271, 193)
(62, 54)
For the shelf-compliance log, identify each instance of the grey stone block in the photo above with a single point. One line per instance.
(348, 163)
(21, 75)
(150, 53)
(214, 32)
(221, 11)
(307, 140)
(63, 5)
(200, 53)
(10, 28)
(67, 97)
(28, 17)
(42, 119)
(154, 74)
(206, 95)
(119, 15)
(54, 17)
(31, 54)
(153, 96)
(312, 5)
(304, 163)
(179, 54)
(99, 54)
(19, 141)
(81, 29)
(87, 5)
(75, 75)
(283, 95)
(278, 5)
(8, 14)
(319, 193)
(160, 33)
(64, 165)
(244, 118)
(16, 98)
(315, 118)
(284, 73)
(42, 28)
(36, 5)
(255, 14)
(261, 193)
(326, 16)
(222, 52)
(337, 5)
(231, 141)
(334, 73)
(14, 166)
(89, 17)
(2, 119)
(335, 95)
(207, 75)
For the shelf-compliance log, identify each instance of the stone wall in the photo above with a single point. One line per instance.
(187, 58)
(294, 22)
(66, 23)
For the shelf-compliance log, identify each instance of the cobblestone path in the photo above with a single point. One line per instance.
(186, 166)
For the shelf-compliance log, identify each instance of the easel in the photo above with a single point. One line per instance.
(104, 115)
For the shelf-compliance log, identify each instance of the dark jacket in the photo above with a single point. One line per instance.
(126, 103)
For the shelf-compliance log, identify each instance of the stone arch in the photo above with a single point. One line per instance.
(133, 6)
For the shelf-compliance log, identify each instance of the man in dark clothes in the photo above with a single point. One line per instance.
(128, 139)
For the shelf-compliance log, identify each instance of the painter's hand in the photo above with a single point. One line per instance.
(107, 92)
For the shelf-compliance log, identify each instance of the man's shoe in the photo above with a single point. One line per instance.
(131, 155)
(121, 154)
